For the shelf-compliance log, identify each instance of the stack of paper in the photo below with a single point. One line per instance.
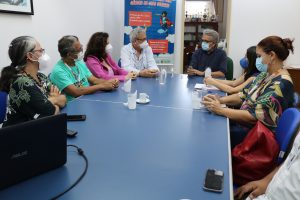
(200, 86)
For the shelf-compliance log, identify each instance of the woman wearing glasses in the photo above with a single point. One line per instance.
(31, 94)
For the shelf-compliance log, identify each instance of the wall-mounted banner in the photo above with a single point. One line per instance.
(158, 16)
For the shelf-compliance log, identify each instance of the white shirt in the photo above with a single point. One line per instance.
(285, 184)
(130, 61)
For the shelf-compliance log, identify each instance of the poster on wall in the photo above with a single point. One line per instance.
(158, 17)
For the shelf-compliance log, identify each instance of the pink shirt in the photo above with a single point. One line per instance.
(99, 70)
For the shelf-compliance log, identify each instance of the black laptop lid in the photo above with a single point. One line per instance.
(31, 148)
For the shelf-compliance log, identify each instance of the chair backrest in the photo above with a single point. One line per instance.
(287, 127)
(296, 99)
(3, 105)
(229, 73)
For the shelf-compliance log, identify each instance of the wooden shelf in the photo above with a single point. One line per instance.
(201, 23)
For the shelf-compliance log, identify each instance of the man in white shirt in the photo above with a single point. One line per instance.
(281, 184)
(137, 56)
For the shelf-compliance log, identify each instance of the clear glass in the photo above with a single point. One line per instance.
(197, 97)
(162, 77)
(202, 94)
(196, 100)
(131, 100)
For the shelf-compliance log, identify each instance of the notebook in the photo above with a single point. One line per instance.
(32, 148)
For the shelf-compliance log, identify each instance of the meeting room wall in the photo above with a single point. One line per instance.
(252, 20)
(51, 20)
(114, 25)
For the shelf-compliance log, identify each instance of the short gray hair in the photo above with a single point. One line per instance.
(212, 33)
(135, 32)
(65, 45)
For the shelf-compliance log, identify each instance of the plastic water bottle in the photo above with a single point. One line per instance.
(207, 72)
(162, 77)
(172, 71)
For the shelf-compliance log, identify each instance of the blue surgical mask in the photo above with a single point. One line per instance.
(260, 66)
(244, 63)
(205, 46)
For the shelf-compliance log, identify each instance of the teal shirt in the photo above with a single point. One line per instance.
(62, 76)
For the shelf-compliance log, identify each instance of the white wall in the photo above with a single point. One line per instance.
(52, 20)
(253, 20)
(114, 23)
(250, 21)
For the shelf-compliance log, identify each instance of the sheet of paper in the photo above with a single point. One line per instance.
(201, 86)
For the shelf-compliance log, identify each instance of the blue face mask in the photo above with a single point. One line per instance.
(244, 63)
(260, 66)
(205, 46)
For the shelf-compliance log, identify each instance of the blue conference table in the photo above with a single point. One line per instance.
(159, 151)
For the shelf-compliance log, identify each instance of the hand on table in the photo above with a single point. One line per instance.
(212, 103)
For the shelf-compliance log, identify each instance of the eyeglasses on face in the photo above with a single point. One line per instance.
(42, 51)
(79, 50)
(207, 41)
(141, 39)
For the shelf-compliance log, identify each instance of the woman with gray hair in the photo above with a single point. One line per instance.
(31, 94)
(209, 56)
(137, 56)
(70, 73)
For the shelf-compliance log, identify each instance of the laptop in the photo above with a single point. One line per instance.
(32, 148)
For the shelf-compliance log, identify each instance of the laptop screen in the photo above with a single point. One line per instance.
(31, 148)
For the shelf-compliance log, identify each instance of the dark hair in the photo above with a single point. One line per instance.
(8, 75)
(281, 47)
(17, 52)
(65, 45)
(251, 57)
(96, 46)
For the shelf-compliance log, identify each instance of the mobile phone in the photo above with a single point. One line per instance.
(214, 180)
(71, 133)
(76, 117)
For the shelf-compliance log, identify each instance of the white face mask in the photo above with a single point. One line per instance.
(44, 62)
(109, 49)
(79, 56)
(144, 45)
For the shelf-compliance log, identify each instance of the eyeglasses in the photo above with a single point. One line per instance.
(207, 41)
(142, 40)
(42, 51)
(80, 50)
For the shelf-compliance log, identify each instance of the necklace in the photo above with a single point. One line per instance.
(39, 83)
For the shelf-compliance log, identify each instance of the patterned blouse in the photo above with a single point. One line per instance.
(267, 97)
(27, 100)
